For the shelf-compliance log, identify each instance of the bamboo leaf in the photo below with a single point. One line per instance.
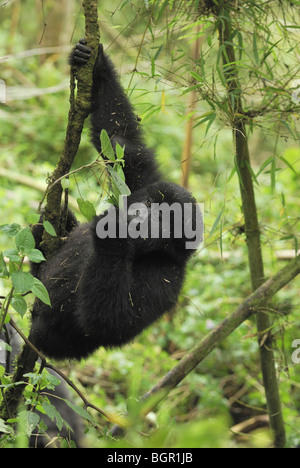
(238, 173)
(288, 164)
(251, 172)
(264, 165)
(215, 225)
(210, 122)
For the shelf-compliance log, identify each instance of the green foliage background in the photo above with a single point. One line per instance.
(159, 76)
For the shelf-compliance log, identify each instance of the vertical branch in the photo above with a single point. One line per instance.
(264, 321)
(79, 110)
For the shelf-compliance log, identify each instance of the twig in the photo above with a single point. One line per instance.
(110, 417)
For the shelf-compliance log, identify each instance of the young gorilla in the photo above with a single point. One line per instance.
(105, 291)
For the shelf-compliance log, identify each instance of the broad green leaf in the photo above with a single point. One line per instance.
(10, 229)
(106, 146)
(53, 414)
(79, 410)
(36, 256)
(118, 185)
(22, 281)
(86, 208)
(120, 151)
(49, 228)
(19, 304)
(12, 254)
(39, 290)
(32, 420)
(25, 241)
(33, 218)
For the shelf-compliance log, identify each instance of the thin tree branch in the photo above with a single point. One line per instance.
(79, 110)
(252, 304)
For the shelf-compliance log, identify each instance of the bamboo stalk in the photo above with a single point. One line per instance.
(252, 231)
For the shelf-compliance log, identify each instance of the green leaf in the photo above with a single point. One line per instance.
(39, 290)
(264, 165)
(10, 229)
(208, 116)
(288, 164)
(33, 218)
(120, 151)
(196, 76)
(238, 172)
(106, 146)
(49, 228)
(22, 281)
(13, 255)
(79, 410)
(86, 208)
(118, 185)
(217, 220)
(4, 428)
(25, 241)
(36, 256)
(19, 304)
(53, 414)
(251, 172)
(210, 122)
(52, 381)
(32, 419)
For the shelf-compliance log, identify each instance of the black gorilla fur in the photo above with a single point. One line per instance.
(104, 292)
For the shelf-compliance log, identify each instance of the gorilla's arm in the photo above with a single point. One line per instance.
(112, 111)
